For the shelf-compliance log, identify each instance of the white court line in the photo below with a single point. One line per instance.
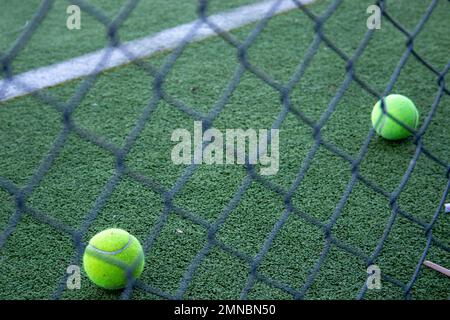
(168, 39)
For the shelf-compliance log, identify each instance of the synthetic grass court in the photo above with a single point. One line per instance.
(34, 257)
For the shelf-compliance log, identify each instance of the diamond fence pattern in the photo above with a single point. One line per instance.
(122, 170)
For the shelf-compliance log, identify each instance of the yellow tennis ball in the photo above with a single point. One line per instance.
(108, 257)
(402, 109)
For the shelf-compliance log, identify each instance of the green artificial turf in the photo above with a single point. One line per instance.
(52, 42)
(36, 255)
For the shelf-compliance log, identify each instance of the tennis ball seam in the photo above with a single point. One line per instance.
(125, 247)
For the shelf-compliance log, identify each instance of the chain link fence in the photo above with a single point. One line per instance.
(67, 109)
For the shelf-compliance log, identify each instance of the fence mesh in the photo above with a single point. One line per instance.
(67, 109)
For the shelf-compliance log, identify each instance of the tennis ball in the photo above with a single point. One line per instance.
(402, 109)
(108, 257)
